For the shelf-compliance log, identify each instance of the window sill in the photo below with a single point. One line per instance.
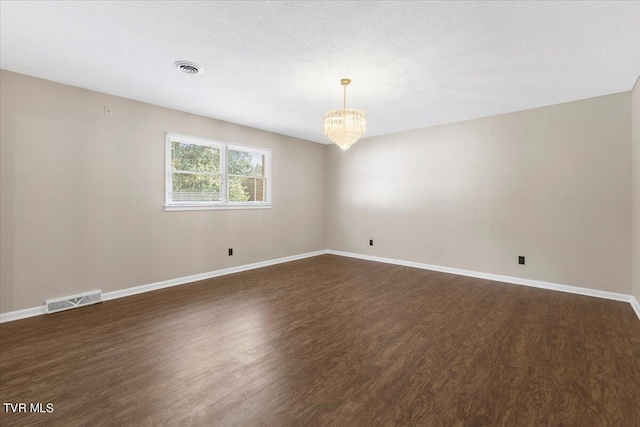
(172, 208)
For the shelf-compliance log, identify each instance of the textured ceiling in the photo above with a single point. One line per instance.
(276, 65)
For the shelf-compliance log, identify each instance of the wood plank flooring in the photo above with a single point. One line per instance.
(329, 341)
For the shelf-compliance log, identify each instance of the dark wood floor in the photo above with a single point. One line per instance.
(330, 341)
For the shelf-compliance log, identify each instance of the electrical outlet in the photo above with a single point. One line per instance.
(370, 242)
(521, 260)
(107, 111)
(230, 251)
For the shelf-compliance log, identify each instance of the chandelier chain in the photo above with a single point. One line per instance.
(344, 97)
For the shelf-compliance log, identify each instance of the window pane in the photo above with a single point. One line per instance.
(194, 157)
(243, 189)
(196, 188)
(245, 163)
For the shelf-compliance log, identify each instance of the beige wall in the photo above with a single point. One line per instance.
(82, 196)
(635, 123)
(552, 184)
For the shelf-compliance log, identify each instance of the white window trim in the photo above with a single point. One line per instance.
(224, 148)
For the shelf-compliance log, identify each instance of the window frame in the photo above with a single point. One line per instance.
(224, 147)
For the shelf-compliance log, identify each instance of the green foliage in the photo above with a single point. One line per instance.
(238, 191)
(244, 164)
(195, 158)
(202, 188)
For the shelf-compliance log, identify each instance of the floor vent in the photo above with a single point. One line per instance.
(73, 301)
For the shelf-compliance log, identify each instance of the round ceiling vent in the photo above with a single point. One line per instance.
(188, 67)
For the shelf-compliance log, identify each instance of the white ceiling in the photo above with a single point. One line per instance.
(276, 65)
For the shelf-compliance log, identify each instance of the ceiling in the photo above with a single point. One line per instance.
(276, 65)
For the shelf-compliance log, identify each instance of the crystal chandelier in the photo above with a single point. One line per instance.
(347, 125)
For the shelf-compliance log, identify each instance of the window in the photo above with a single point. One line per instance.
(207, 174)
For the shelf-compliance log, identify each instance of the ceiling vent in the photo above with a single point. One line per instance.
(188, 67)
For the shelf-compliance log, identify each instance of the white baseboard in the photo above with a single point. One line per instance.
(36, 311)
(22, 314)
(499, 278)
(203, 276)
(635, 305)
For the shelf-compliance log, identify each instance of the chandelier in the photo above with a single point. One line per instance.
(347, 125)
